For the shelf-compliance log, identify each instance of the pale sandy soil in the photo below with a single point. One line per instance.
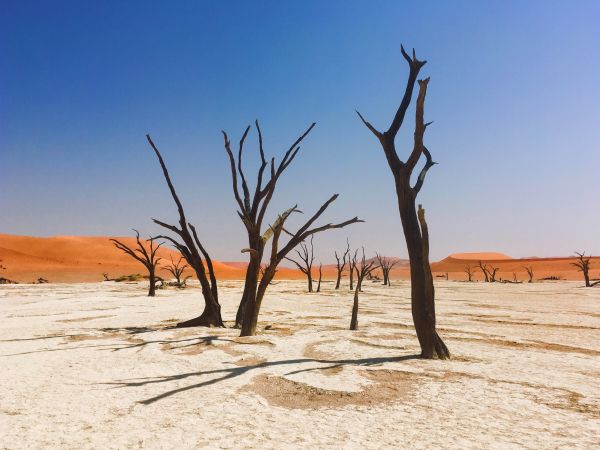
(98, 366)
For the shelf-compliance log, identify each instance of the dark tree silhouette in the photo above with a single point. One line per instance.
(176, 269)
(492, 273)
(341, 264)
(529, 270)
(583, 264)
(422, 290)
(469, 271)
(484, 270)
(305, 265)
(145, 256)
(352, 262)
(386, 266)
(320, 277)
(252, 210)
(362, 270)
(195, 254)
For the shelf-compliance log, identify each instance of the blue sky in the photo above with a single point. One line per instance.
(514, 95)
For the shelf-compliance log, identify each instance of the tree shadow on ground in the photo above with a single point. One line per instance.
(234, 372)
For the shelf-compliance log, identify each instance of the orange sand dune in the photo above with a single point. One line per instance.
(80, 259)
(75, 259)
(486, 256)
(509, 268)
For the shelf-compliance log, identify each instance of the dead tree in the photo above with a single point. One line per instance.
(422, 291)
(583, 264)
(176, 269)
(484, 270)
(340, 265)
(362, 270)
(252, 209)
(145, 256)
(306, 261)
(529, 270)
(492, 274)
(320, 277)
(386, 266)
(195, 254)
(469, 271)
(352, 262)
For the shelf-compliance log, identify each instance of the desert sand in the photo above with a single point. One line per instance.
(99, 365)
(74, 259)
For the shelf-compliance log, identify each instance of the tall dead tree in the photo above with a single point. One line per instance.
(145, 256)
(362, 271)
(583, 264)
(469, 271)
(306, 261)
(529, 270)
(340, 265)
(386, 266)
(320, 277)
(176, 269)
(422, 291)
(252, 210)
(195, 254)
(352, 262)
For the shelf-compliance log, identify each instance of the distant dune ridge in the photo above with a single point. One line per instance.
(84, 259)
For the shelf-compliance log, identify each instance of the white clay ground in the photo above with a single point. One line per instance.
(100, 366)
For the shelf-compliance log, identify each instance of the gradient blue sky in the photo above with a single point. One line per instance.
(514, 94)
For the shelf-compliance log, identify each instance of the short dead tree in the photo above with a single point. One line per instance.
(176, 269)
(484, 270)
(305, 264)
(106, 277)
(492, 274)
(583, 265)
(341, 264)
(386, 265)
(469, 271)
(146, 256)
(190, 246)
(362, 270)
(252, 210)
(529, 270)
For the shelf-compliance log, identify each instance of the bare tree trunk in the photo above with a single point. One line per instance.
(152, 289)
(320, 277)
(249, 295)
(417, 239)
(365, 269)
(354, 320)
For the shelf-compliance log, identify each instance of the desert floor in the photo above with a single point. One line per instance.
(100, 366)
